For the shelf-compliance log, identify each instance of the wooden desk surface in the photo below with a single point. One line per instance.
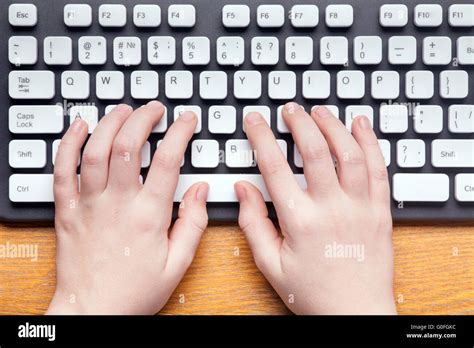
(434, 273)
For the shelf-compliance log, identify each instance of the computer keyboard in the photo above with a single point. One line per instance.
(409, 67)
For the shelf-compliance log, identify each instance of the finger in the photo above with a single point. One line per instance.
(125, 162)
(318, 165)
(65, 186)
(187, 231)
(279, 179)
(163, 175)
(263, 238)
(351, 167)
(96, 155)
(379, 189)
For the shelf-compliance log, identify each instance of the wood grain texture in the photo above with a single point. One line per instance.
(434, 273)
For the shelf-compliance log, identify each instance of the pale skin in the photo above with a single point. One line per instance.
(119, 253)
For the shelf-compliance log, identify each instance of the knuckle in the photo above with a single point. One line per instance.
(123, 146)
(274, 166)
(92, 158)
(380, 174)
(354, 158)
(61, 176)
(315, 153)
(166, 160)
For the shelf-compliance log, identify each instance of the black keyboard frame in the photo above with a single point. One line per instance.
(208, 12)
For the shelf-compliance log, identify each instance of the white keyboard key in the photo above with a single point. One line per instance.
(158, 144)
(436, 50)
(461, 15)
(31, 188)
(428, 15)
(283, 147)
(316, 84)
(161, 50)
(299, 50)
(222, 119)
(162, 125)
(22, 15)
(112, 15)
(75, 85)
(465, 50)
(393, 118)
(92, 50)
(385, 148)
(297, 159)
(367, 50)
(196, 50)
(239, 154)
(395, 15)
(27, 153)
(385, 85)
(339, 16)
(261, 109)
(236, 16)
(146, 155)
(461, 118)
(419, 84)
(334, 109)
(282, 85)
(333, 50)
(205, 153)
(78, 15)
(281, 125)
(265, 50)
(411, 153)
(88, 113)
(57, 50)
(453, 84)
(144, 84)
(452, 153)
(247, 84)
(31, 84)
(402, 50)
(178, 84)
(420, 187)
(350, 84)
(179, 110)
(181, 16)
(147, 16)
(352, 111)
(110, 85)
(304, 16)
(464, 187)
(54, 152)
(22, 50)
(230, 50)
(428, 119)
(35, 119)
(127, 50)
(270, 16)
(110, 107)
(213, 85)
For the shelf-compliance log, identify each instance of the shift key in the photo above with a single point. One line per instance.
(452, 153)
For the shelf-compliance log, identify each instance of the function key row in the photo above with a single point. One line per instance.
(238, 16)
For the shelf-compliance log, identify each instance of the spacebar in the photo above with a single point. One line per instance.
(221, 186)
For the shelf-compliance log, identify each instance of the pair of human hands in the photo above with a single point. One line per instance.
(118, 254)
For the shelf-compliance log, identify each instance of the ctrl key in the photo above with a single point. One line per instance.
(464, 187)
(31, 188)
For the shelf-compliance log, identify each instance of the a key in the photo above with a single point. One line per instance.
(230, 50)
(420, 187)
(127, 50)
(178, 84)
(428, 119)
(428, 15)
(57, 50)
(75, 85)
(461, 15)
(112, 15)
(162, 125)
(27, 153)
(196, 50)
(385, 148)
(270, 16)
(261, 109)
(282, 85)
(385, 85)
(31, 84)
(247, 84)
(352, 111)
(281, 125)
(31, 188)
(333, 50)
(179, 110)
(145, 155)
(464, 187)
(411, 153)
(92, 50)
(222, 119)
(239, 154)
(316, 84)
(402, 50)
(304, 16)
(213, 85)
(236, 16)
(205, 153)
(350, 84)
(461, 118)
(334, 109)
(35, 119)
(181, 16)
(436, 50)
(452, 153)
(465, 50)
(367, 50)
(110, 85)
(54, 152)
(297, 159)
(419, 84)
(265, 50)
(22, 50)
(393, 118)
(453, 84)
(161, 50)
(299, 50)
(283, 147)
(78, 15)
(147, 16)
(87, 113)
(144, 84)
(22, 15)
(339, 16)
(394, 15)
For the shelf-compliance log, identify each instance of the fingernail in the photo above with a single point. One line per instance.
(121, 107)
(155, 104)
(291, 107)
(253, 118)
(76, 126)
(322, 111)
(202, 191)
(240, 192)
(364, 122)
(187, 116)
